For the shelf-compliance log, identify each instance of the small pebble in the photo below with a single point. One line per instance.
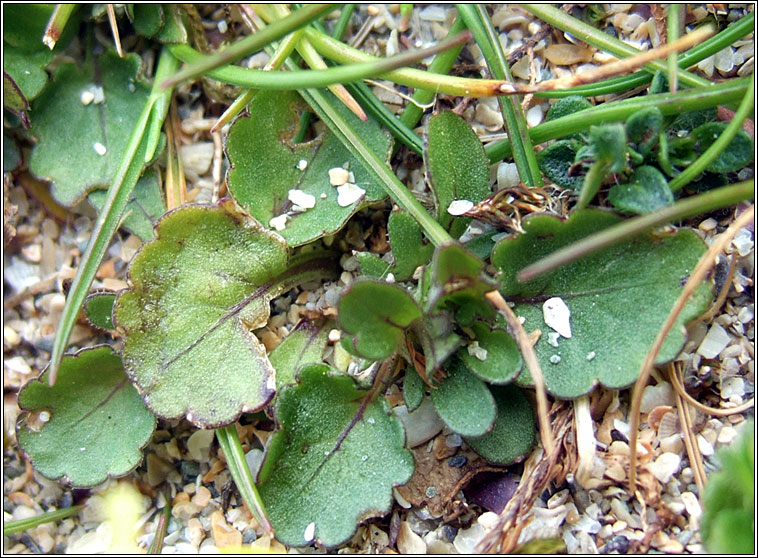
(507, 176)
(348, 194)
(459, 207)
(301, 199)
(714, 342)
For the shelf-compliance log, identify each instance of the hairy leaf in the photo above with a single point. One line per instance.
(555, 162)
(502, 362)
(463, 401)
(456, 166)
(646, 192)
(334, 461)
(27, 69)
(618, 299)
(643, 128)
(413, 389)
(98, 308)
(80, 146)
(97, 424)
(407, 244)
(266, 165)
(196, 294)
(739, 153)
(304, 345)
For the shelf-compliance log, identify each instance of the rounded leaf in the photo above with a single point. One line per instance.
(497, 359)
(739, 153)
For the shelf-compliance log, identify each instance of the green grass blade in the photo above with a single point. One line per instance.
(160, 531)
(341, 26)
(476, 19)
(563, 21)
(717, 147)
(109, 218)
(672, 34)
(695, 205)
(230, 444)
(11, 527)
(57, 23)
(618, 111)
(250, 44)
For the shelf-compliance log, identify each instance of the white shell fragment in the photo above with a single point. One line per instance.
(552, 338)
(348, 194)
(278, 223)
(557, 315)
(459, 207)
(99, 148)
(476, 351)
(303, 199)
(338, 176)
(310, 532)
(302, 164)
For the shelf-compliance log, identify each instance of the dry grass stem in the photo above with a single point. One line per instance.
(114, 28)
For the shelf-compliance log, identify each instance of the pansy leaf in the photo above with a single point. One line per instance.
(89, 426)
(144, 208)
(374, 316)
(739, 153)
(14, 100)
(513, 434)
(463, 401)
(457, 167)
(147, 19)
(98, 309)
(566, 106)
(266, 166)
(618, 299)
(555, 162)
(304, 345)
(644, 127)
(646, 192)
(333, 462)
(608, 143)
(80, 145)
(372, 265)
(413, 389)
(496, 358)
(408, 245)
(27, 69)
(173, 30)
(196, 293)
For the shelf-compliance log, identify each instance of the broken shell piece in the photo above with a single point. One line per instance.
(476, 351)
(278, 223)
(310, 532)
(338, 176)
(99, 148)
(459, 207)
(302, 164)
(557, 315)
(348, 194)
(303, 199)
(552, 338)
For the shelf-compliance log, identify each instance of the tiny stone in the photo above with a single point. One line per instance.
(459, 207)
(714, 342)
(708, 225)
(507, 176)
(591, 355)
(302, 164)
(199, 445)
(706, 448)
(476, 351)
(348, 194)
(99, 148)
(557, 315)
(302, 199)
(555, 359)
(552, 338)
(726, 435)
(278, 223)
(534, 116)
(664, 467)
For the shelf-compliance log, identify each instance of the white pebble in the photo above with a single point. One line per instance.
(476, 351)
(390, 278)
(664, 467)
(86, 97)
(338, 176)
(557, 315)
(743, 241)
(222, 26)
(534, 116)
(507, 176)
(279, 222)
(302, 199)
(421, 425)
(705, 447)
(459, 207)
(302, 164)
(310, 532)
(714, 342)
(591, 355)
(555, 359)
(99, 148)
(348, 194)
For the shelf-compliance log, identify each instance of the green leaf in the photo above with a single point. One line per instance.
(304, 345)
(27, 69)
(609, 145)
(144, 209)
(98, 308)
(413, 389)
(70, 133)
(556, 161)
(738, 154)
(459, 283)
(196, 293)
(463, 401)
(688, 121)
(503, 359)
(643, 128)
(618, 298)
(512, 437)
(97, 423)
(11, 154)
(173, 30)
(407, 244)
(564, 107)
(374, 316)
(24, 25)
(456, 167)
(265, 166)
(147, 19)
(334, 461)
(647, 192)
(372, 265)
(14, 100)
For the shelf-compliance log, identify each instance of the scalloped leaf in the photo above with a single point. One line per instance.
(27, 69)
(555, 162)
(739, 153)
(463, 401)
(147, 19)
(608, 143)
(374, 316)
(196, 293)
(304, 345)
(566, 106)
(513, 434)
(97, 424)
(98, 309)
(71, 135)
(334, 461)
(265, 166)
(618, 299)
(144, 209)
(503, 360)
(647, 191)
(643, 128)
(457, 167)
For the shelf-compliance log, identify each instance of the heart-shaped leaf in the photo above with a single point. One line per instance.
(495, 358)
(608, 143)
(80, 145)
(647, 192)
(617, 298)
(374, 317)
(147, 19)
(564, 107)
(555, 162)
(305, 344)
(196, 294)
(457, 167)
(463, 401)
(144, 208)
(27, 69)
(334, 461)
(266, 166)
(98, 308)
(644, 127)
(739, 153)
(89, 426)
(512, 436)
